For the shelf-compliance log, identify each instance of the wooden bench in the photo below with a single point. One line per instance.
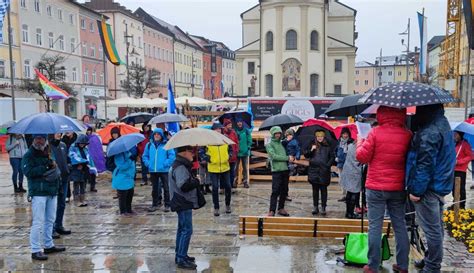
(303, 227)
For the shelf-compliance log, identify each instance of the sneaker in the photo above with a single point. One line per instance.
(67, 200)
(166, 209)
(54, 249)
(94, 190)
(288, 199)
(185, 264)
(228, 210)
(472, 187)
(343, 199)
(246, 185)
(22, 190)
(283, 212)
(216, 212)
(63, 231)
(315, 211)
(83, 205)
(143, 183)
(39, 256)
(271, 214)
(152, 209)
(397, 269)
(56, 235)
(188, 258)
(323, 211)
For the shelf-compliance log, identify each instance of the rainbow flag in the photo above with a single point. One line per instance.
(108, 43)
(50, 89)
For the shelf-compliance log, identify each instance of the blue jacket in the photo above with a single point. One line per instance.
(76, 159)
(292, 148)
(123, 177)
(155, 157)
(432, 158)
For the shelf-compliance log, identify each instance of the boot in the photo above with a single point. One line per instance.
(350, 204)
(82, 198)
(203, 189)
(315, 210)
(16, 189)
(323, 211)
(208, 189)
(20, 188)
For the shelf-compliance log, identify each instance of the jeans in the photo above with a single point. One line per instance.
(461, 175)
(43, 213)
(223, 180)
(79, 188)
(232, 173)
(125, 198)
(395, 202)
(183, 235)
(324, 195)
(245, 165)
(159, 181)
(144, 173)
(17, 175)
(92, 180)
(61, 206)
(429, 212)
(279, 190)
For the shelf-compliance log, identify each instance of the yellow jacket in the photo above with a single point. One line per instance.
(218, 159)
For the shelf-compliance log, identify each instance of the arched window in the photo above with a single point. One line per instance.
(291, 40)
(314, 40)
(269, 41)
(313, 85)
(269, 85)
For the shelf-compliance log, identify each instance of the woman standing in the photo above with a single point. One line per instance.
(97, 155)
(123, 181)
(16, 148)
(321, 158)
(341, 154)
(351, 180)
(463, 157)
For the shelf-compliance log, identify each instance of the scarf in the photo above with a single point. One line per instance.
(343, 144)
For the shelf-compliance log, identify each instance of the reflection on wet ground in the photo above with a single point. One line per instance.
(102, 241)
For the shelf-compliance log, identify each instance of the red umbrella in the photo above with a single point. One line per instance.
(352, 128)
(470, 120)
(305, 133)
(372, 110)
(125, 129)
(318, 122)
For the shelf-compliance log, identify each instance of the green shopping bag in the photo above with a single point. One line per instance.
(357, 248)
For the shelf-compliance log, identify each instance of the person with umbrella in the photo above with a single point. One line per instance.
(97, 155)
(341, 153)
(81, 165)
(158, 160)
(463, 157)
(245, 144)
(123, 181)
(43, 186)
(350, 179)
(321, 158)
(147, 133)
(230, 133)
(385, 151)
(16, 147)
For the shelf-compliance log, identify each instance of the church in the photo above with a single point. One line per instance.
(298, 48)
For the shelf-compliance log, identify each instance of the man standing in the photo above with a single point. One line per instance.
(158, 161)
(183, 186)
(430, 170)
(245, 143)
(59, 151)
(43, 185)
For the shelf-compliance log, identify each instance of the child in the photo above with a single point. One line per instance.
(123, 181)
(82, 164)
(292, 148)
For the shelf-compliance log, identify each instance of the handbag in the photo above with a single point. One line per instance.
(52, 175)
(357, 249)
(200, 198)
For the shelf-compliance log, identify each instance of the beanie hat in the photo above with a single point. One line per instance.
(216, 125)
(227, 122)
(184, 149)
(115, 130)
(320, 134)
(40, 135)
(290, 132)
(82, 139)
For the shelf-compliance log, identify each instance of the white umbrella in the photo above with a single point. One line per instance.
(159, 102)
(197, 137)
(193, 101)
(143, 102)
(122, 102)
(168, 117)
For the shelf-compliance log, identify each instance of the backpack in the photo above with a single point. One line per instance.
(110, 164)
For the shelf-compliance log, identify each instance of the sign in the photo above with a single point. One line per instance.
(303, 108)
(93, 91)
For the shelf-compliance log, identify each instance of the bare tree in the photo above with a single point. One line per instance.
(51, 67)
(141, 81)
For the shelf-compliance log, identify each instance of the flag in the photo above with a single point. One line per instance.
(4, 4)
(468, 7)
(108, 43)
(249, 110)
(423, 42)
(172, 127)
(51, 90)
(222, 88)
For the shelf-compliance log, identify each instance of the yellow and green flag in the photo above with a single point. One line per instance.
(108, 43)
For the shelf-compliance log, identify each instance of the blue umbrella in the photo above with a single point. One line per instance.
(124, 143)
(45, 123)
(463, 127)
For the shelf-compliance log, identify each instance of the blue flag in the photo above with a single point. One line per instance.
(4, 4)
(173, 127)
(423, 42)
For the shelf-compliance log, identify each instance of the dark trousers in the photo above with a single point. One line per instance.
(279, 190)
(58, 224)
(461, 175)
(17, 176)
(222, 179)
(92, 180)
(351, 201)
(159, 183)
(183, 235)
(324, 195)
(232, 174)
(144, 173)
(125, 198)
(79, 187)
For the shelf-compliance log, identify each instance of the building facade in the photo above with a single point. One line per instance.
(297, 48)
(365, 77)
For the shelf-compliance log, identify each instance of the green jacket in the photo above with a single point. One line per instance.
(245, 141)
(276, 152)
(35, 164)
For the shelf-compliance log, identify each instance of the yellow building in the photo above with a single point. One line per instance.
(401, 73)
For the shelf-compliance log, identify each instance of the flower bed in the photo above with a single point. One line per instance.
(464, 231)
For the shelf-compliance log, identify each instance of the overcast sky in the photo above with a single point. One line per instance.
(378, 21)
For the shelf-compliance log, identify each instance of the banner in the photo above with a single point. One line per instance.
(423, 42)
(4, 4)
(108, 43)
(468, 6)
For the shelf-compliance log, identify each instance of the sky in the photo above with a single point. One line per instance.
(378, 22)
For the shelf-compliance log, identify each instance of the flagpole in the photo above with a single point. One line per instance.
(469, 84)
(105, 82)
(12, 80)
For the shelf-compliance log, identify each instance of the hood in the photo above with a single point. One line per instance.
(389, 115)
(82, 139)
(158, 131)
(274, 130)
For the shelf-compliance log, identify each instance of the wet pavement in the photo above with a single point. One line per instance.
(103, 241)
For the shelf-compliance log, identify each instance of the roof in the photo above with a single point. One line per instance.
(150, 21)
(435, 41)
(242, 14)
(392, 60)
(179, 34)
(342, 4)
(344, 43)
(109, 6)
(82, 6)
(364, 64)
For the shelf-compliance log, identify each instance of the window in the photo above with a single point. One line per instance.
(93, 77)
(399, 73)
(338, 65)
(14, 70)
(357, 72)
(73, 45)
(84, 49)
(86, 76)
(291, 40)
(149, 50)
(314, 40)
(61, 42)
(101, 51)
(60, 15)
(74, 74)
(153, 53)
(314, 85)
(23, 5)
(140, 42)
(366, 82)
(91, 27)
(366, 72)
(50, 40)
(83, 23)
(251, 68)
(49, 10)
(269, 85)
(93, 50)
(2, 69)
(37, 5)
(162, 54)
(269, 41)
(71, 19)
(26, 69)
(39, 37)
(337, 89)
(390, 73)
(101, 77)
(357, 82)
(24, 33)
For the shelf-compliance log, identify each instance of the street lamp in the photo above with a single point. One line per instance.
(407, 46)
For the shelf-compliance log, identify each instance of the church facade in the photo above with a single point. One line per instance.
(299, 48)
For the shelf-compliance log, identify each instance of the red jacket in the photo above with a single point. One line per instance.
(230, 133)
(141, 146)
(385, 151)
(463, 156)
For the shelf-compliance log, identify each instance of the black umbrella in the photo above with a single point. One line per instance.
(285, 121)
(137, 118)
(406, 94)
(305, 135)
(346, 106)
(245, 116)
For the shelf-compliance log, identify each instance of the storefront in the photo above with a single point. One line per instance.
(91, 103)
